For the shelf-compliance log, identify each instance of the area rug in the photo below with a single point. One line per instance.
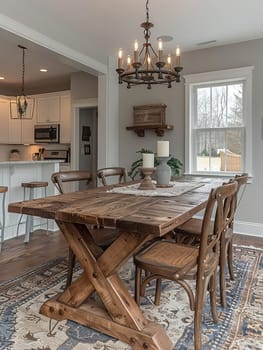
(240, 326)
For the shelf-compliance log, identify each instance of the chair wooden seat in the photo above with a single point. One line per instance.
(3, 189)
(34, 184)
(170, 260)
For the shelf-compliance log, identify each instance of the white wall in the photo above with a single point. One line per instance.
(250, 213)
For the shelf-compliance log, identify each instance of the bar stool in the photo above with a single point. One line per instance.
(31, 186)
(3, 190)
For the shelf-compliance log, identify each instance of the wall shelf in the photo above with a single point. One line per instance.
(159, 130)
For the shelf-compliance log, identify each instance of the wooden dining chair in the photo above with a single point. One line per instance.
(190, 233)
(103, 237)
(112, 173)
(167, 259)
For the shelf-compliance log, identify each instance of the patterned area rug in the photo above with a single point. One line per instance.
(240, 327)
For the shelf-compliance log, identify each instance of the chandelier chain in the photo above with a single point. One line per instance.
(23, 71)
(147, 11)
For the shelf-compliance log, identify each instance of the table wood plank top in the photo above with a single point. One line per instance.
(152, 214)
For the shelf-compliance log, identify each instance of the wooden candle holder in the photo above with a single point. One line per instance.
(147, 183)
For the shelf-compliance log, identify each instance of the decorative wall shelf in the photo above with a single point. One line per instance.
(159, 130)
(149, 117)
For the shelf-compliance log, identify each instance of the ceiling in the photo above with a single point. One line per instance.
(96, 29)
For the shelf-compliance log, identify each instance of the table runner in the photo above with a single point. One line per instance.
(176, 189)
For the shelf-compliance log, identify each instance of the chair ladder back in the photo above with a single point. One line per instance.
(103, 173)
(242, 182)
(221, 200)
(59, 178)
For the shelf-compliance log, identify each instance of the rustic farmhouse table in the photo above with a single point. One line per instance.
(139, 219)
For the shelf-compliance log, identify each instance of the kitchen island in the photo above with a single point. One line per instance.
(12, 174)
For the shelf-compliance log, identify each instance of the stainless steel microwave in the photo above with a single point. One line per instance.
(49, 133)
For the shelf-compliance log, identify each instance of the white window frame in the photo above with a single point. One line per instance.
(193, 80)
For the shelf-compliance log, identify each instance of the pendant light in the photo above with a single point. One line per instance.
(22, 103)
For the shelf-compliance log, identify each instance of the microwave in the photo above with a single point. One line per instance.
(49, 133)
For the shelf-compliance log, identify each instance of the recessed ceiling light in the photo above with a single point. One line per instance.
(206, 42)
(165, 38)
(2, 78)
(44, 70)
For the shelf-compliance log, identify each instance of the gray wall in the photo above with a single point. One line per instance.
(231, 56)
(83, 85)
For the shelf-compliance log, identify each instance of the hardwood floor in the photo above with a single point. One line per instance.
(17, 257)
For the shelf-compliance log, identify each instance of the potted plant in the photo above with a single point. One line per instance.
(174, 163)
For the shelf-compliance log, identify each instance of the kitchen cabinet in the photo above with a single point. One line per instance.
(48, 108)
(65, 118)
(21, 131)
(55, 108)
(4, 117)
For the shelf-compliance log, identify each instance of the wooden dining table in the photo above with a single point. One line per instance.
(139, 219)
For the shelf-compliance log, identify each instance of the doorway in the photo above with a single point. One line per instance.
(88, 141)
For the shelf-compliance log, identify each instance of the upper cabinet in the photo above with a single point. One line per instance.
(21, 131)
(65, 118)
(56, 108)
(48, 108)
(4, 117)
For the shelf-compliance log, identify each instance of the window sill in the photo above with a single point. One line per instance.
(226, 176)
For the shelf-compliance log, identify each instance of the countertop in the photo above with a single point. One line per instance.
(13, 162)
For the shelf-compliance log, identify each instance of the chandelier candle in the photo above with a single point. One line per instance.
(136, 48)
(178, 56)
(148, 160)
(120, 59)
(162, 148)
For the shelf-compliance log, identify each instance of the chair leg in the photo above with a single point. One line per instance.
(138, 279)
(158, 291)
(230, 259)
(71, 263)
(198, 317)
(212, 292)
(222, 263)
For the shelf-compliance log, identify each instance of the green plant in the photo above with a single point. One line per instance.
(174, 163)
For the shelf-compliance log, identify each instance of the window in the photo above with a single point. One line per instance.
(218, 122)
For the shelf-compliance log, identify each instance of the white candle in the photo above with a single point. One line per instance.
(147, 160)
(162, 148)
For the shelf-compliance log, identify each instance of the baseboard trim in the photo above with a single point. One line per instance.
(248, 228)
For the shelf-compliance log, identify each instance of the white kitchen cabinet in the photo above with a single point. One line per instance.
(21, 131)
(65, 118)
(48, 109)
(4, 117)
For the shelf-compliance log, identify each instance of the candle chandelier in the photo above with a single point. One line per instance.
(148, 67)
